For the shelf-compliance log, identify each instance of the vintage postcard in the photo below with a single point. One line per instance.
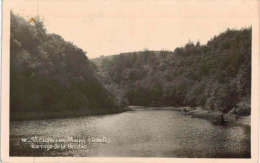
(130, 81)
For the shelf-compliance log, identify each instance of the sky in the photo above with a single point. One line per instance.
(107, 27)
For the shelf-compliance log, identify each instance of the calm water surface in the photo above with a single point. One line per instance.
(153, 133)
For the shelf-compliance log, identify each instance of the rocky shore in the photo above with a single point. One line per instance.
(215, 117)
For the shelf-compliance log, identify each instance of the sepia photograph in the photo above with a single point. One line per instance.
(147, 78)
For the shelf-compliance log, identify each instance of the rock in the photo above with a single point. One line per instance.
(230, 117)
(243, 109)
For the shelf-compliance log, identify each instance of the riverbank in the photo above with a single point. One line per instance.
(198, 112)
(40, 115)
(195, 112)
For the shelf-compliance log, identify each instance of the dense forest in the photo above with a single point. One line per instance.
(215, 76)
(50, 77)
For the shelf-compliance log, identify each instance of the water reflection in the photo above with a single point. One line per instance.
(151, 133)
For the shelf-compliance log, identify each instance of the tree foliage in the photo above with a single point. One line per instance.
(216, 75)
(50, 75)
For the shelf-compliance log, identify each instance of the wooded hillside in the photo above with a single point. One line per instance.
(216, 76)
(52, 77)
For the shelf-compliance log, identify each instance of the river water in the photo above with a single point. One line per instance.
(140, 133)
